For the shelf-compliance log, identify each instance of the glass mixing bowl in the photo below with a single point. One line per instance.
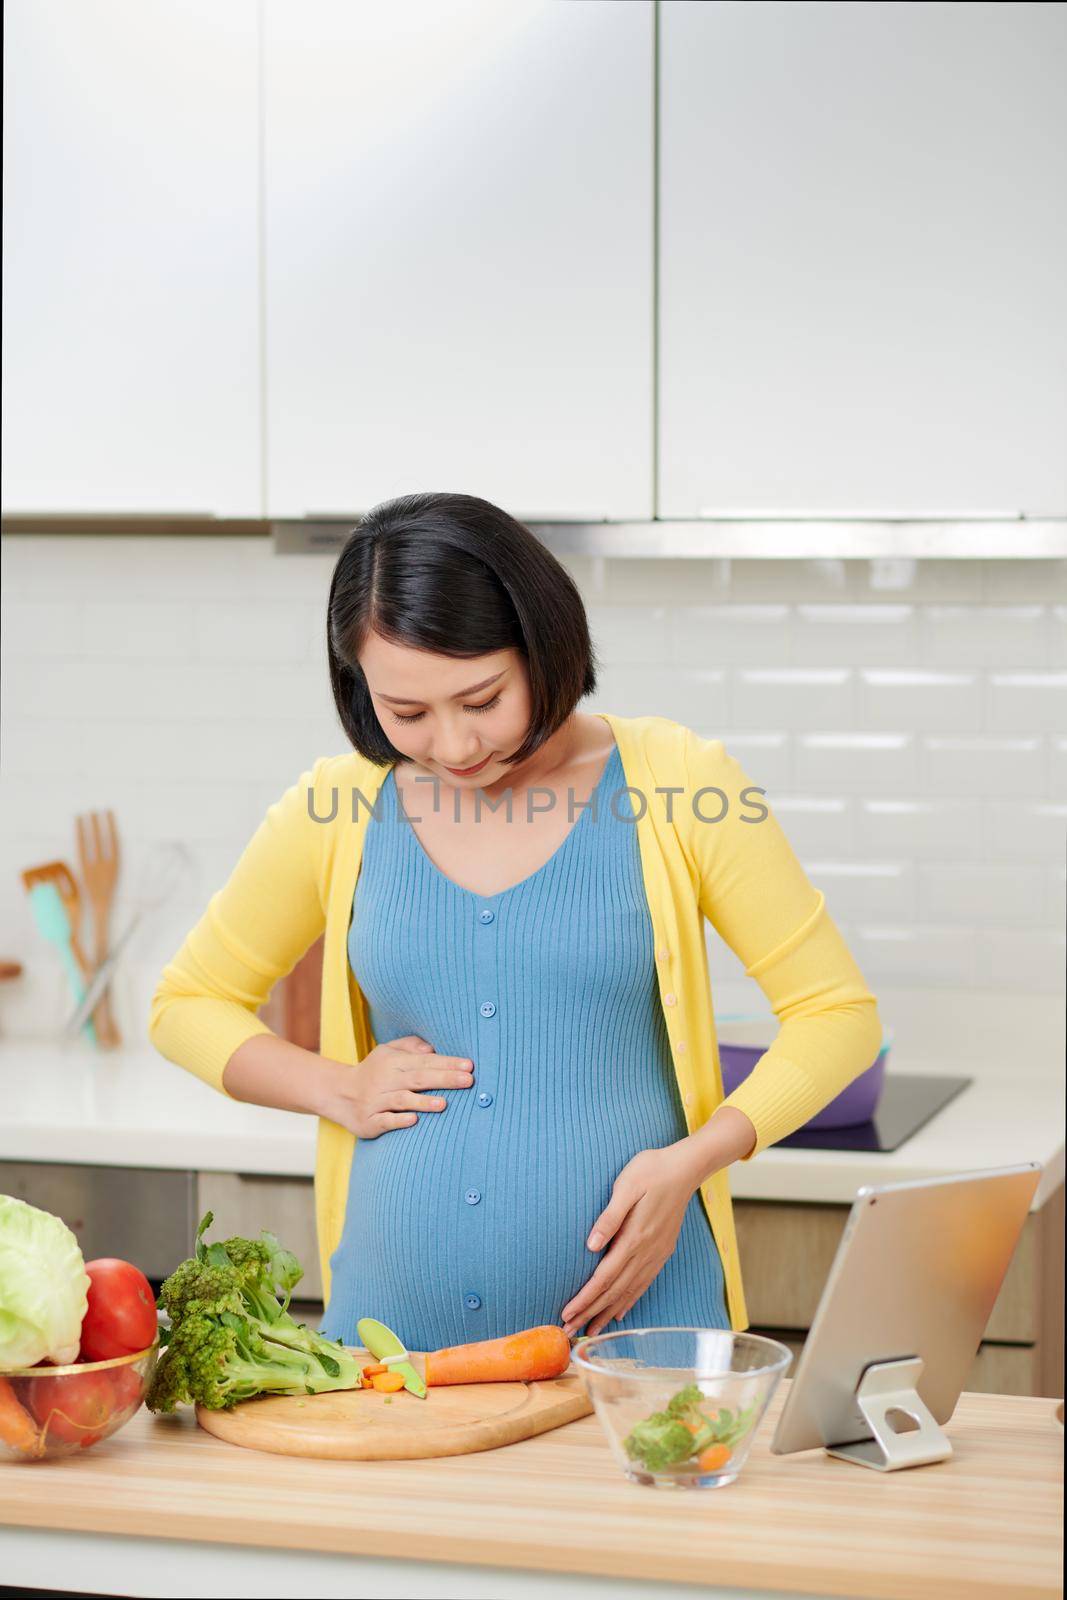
(56, 1411)
(680, 1406)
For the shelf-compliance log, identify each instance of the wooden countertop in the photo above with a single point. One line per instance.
(986, 1523)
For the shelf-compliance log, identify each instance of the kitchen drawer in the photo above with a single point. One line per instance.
(786, 1251)
(246, 1203)
(136, 1213)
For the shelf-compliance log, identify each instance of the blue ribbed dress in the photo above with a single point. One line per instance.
(472, 1222)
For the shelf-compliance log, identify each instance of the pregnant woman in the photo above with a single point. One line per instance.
(521, 1117)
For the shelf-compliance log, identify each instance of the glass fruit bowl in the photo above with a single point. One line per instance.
(680, 1406)
(47, 1412)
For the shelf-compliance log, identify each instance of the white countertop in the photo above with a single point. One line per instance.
(132, 1108)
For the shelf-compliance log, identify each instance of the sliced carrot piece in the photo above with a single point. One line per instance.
(372, 1369)
(713, 1458)
(387, 1382)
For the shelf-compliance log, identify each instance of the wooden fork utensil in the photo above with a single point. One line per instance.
(98, 858)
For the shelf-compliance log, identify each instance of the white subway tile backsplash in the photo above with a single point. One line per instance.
(928, 701)
(1057, 630)
(853, 635)
(42, 630)
(795, 580)
(255, 630)
(793, 697)
(36, 805)
(626, 582)
(741, 635)
(149, 630)
(816, 825)
(970, 636)
(922, 581)
(32, 747)
(1021, 959)
(1000, 768)
(919, 829)
(989, 893)
(764, 756)
(1024, 830)
(1058, 768)
(907, 719)
(856, 763)
(299, 577)
(1027, 702)
(921, 954)
(623, 635)
(866, 889)
(683, 693)
(1009, 582)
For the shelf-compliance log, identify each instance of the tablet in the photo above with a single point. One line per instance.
(902, 1314)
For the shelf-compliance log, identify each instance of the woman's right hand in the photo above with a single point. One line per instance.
(386, 1089)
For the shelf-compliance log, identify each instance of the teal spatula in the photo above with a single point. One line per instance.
(53, 924)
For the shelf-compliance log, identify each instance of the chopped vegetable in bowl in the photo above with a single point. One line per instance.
(690, 1432)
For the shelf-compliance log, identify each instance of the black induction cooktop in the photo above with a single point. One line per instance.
(909, 1100)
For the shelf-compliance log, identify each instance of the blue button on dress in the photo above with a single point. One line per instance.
(472, 1222)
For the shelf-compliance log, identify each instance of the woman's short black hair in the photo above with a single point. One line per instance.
(455, 575)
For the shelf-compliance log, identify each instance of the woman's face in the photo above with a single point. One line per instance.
(450, 714)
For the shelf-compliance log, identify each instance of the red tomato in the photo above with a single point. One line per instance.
(128, 1387)
(75, 1407)
(121, 1315)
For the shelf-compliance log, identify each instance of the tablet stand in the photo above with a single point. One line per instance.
(886, 1387)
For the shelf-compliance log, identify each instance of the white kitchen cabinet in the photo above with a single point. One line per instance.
(863, 267)
(459, 253)
(131, 319)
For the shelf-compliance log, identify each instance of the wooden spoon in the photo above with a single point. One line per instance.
(98, 857)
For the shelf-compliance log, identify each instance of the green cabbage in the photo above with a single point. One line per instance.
(43, 1287)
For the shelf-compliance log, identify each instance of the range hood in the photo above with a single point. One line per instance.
(769, 538)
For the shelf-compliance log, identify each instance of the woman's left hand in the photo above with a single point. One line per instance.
(642, 1222)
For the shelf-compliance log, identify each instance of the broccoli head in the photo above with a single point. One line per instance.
(660, 1441)
(688, 1426)
(230, 1339)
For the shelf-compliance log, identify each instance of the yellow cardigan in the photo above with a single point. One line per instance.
(296, 878)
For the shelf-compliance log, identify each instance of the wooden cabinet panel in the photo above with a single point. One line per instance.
(246, 1203)
(998, 1368)
(459, 254)
(131, 321)
(786, 1252)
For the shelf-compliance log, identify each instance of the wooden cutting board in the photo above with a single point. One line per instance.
(362, 1425)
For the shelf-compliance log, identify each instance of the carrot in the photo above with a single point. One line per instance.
(698, 1427)
(519, 1357)
(387, 1382)
(713, 1458)
(16, 1426)
(373, 1369)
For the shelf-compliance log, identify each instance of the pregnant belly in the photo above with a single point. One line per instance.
(439, 1214)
